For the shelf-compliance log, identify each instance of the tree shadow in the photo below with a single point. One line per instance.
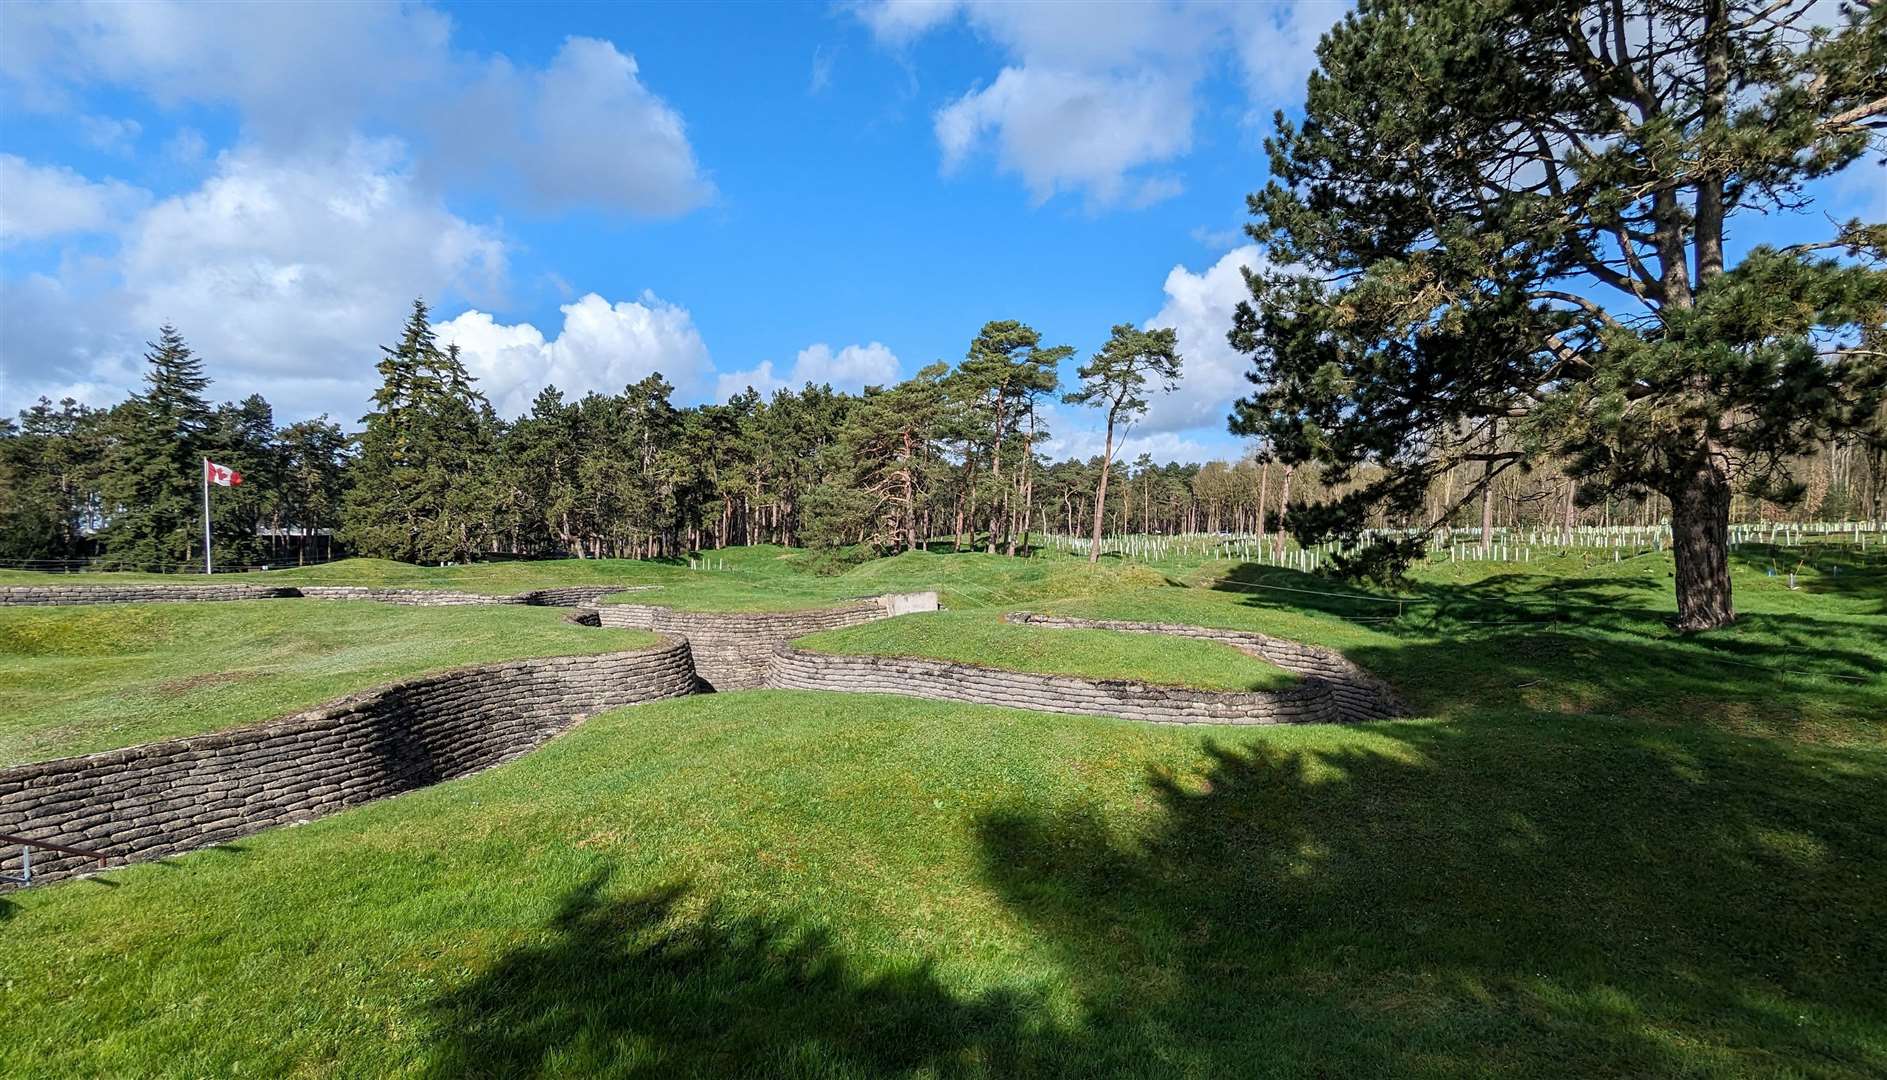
(1833, 571)
(656, 984)
(1585, 645)
(1506, 900)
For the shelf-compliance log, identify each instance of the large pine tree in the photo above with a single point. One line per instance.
(1525, 251)
(153, 483)
(425, 486)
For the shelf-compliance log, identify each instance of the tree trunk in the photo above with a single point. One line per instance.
(1100, 492)
(1700, 542)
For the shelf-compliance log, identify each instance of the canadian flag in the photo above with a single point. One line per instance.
(221, 475)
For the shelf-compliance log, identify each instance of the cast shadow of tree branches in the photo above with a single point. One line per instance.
(1451, 904)
(653, 984)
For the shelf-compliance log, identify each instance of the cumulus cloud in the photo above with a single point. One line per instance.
(851, 368)
(1101, 102)
(39, 201)
(111, 134)
(1076, 437)
(280, 273)
(581, 132)
(601, 347)
(1067, 131)
(1199, 310)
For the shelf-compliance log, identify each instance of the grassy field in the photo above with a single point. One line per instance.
(760, 578)
(982, 639)
(1600, 850)
(78, 679)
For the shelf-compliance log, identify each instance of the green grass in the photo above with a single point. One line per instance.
(758, 578)
(1600, 849)
(981, 639)
(820, 885)
(74, 680)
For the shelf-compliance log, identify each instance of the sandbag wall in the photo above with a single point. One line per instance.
(1358, 695)
(794, 669)
(147, 801)
(50, 595)
(734, 650)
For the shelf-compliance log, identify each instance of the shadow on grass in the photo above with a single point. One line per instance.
(1594, 645)
(1567, 901)
(1591, 898)
(652, 984)
(1829, 570)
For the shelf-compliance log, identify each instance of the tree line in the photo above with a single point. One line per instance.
(950, 458)
(433, 474)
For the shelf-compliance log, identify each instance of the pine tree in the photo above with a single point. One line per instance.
(1519, 256)
(153, 483)
(312, 479)
(1116, 379)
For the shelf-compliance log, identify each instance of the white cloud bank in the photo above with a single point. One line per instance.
(39, 201)
(583, 131)
(1101, 101)
(602, 347)
(851, 368)
(1199, 310)
(281, 273)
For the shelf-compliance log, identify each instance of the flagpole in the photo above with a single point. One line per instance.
(207, 567)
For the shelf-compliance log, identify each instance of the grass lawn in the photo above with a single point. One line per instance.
(982, 639)
(774, 883)
(759, 578)
(78, 679)
(1600, 850)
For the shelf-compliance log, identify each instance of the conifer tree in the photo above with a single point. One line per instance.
(1524, 253)
(1115, 380)
(154, 481)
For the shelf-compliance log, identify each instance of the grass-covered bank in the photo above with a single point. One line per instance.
(823, 885)
(1601, 849)
(74, 680)
(982, 639)
(759, 578)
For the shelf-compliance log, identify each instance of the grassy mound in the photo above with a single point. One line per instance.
(75, 680)
(823, 885)
(982, 639)
(759, 578)
(1605, 849)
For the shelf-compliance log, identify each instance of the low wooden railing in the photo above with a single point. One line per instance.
(25, 876)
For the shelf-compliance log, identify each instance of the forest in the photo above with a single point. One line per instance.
(952, 456)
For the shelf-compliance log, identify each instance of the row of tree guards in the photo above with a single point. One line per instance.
(1462, 544)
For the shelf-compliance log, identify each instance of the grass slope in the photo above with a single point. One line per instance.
(1604, 850)
(982, 639)
(820, 885)
(74, 680)
(759, 578)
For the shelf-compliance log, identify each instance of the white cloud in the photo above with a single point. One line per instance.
(582, 132)
(282, 274)
(1074, 438)
(821, 79)
(187, 146)
(1068, 131)
(1091, 98)
(1277, 46)
(1199, 309)
(38, 201)
(112, 135)
(851, 368)
(602, 347)
(293, 68)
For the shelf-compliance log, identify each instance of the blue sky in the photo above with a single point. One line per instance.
(731, 194)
